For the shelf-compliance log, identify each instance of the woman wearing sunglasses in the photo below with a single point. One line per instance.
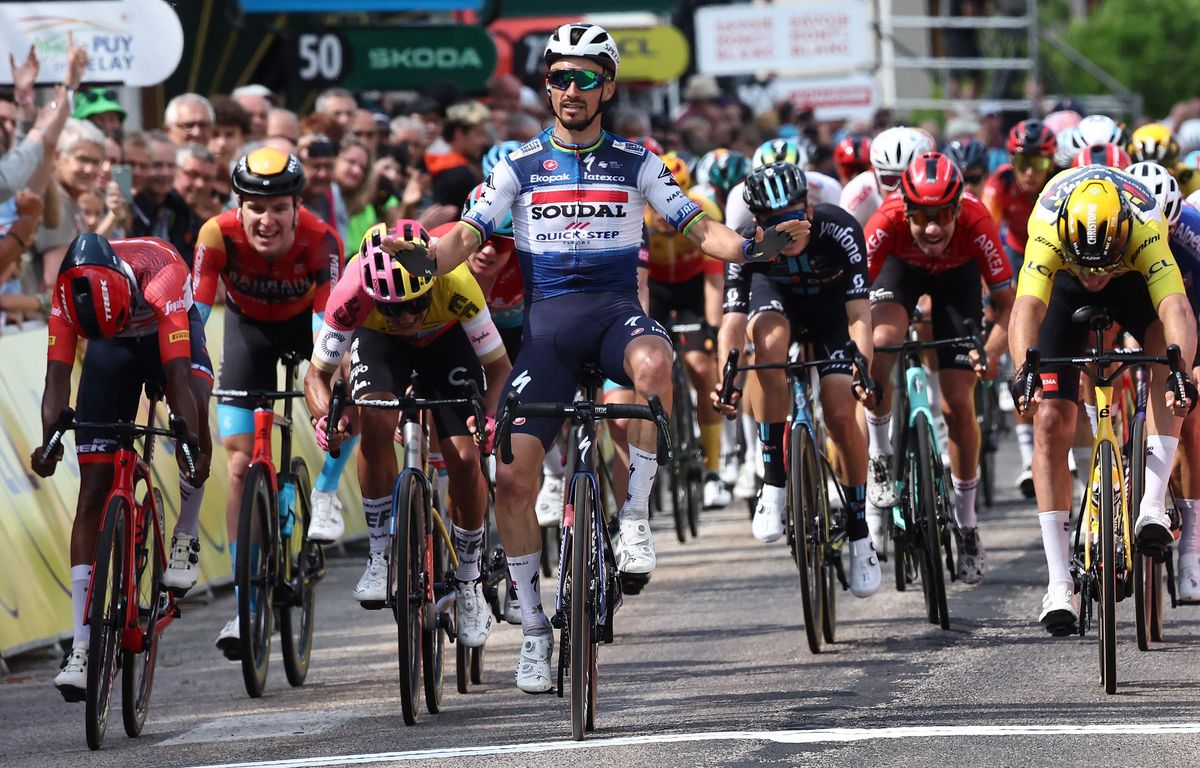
(932, 239)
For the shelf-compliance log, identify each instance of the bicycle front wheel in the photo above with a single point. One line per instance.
(305, 564)
(584, 583)
(682, 420)
(257, 563)
(106, 617)
(137, 669)
(933, 581)
(433, 641)
(404, 586)
(804, 521)
(1107, 565)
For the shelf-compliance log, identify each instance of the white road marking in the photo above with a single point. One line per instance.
(815, 736)
(262, 726)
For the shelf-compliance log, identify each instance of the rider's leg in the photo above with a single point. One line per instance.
(468, 505)
(516, 489)
(648, 364)
(889, 320)
(618, 431)
(1188, 579)
(958, 407)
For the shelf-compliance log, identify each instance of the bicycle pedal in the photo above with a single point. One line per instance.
(634, 583)
(72, 695)
(373, 605)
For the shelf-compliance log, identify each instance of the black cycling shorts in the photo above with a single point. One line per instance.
(253, 350)
(512, 341)
(1127, 302)
(901, 283)
(382, 365)
(686, 300)
(114, 372)
(563, 334)
(818, 320)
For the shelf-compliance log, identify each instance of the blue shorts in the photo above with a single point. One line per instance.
(564, 333)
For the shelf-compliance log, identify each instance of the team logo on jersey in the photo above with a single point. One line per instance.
(667, 177)
(177, 336)
(550, 164)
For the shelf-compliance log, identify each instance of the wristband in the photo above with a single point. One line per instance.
(12, 233)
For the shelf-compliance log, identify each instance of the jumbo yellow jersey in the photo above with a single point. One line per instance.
(1148, 251)
(673, 257)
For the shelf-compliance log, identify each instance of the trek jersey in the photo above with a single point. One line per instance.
(162, 297)
(577, 211)
(673, 257)
(833, 265)
(975, 239)
(1009, 206)
(267, 291)
(1147, 252)
(456, 299)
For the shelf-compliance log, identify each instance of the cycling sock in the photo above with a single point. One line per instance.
(642, 468)
(1056, 541)
(526, 573)
(437, 463)
(552, 464)
(750, 432)
(190, 498)
(1189, 542)
(233, 566)
(1093, 418)
(856, 498)
(331, 470)
(935, 391)
(964, 501)
(710, 441)
(377, 513)
(80, 576)
(1082, 455)
(878, 430)
(771, 438)
(469, 546)
(1160, 459)
(1025, 444)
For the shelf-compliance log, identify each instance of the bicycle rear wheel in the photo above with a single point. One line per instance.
(137, 669)
(933, 580)
(257, 566)
(682, 420)
(404, 587)
(305, 563)
(106, 617)
(805, 538)
(433, 638)
(1107, 565)
(584, 582)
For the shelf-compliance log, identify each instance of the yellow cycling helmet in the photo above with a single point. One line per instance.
(383, 277)
(1154, 142)
(678, 168)
(1094, 224)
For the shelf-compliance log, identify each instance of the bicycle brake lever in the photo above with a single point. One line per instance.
(66, 417)
(728, 375)
(183, 437)
(503, 432)
(664, 432)
(331, 420)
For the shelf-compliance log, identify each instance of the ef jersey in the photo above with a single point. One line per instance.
(1148, 251)
(577, 211)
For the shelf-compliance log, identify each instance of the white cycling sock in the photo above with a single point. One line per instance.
(190, 498)
(1082, 454)
(1056, 541)
(468, 546)
(964, 501)
(525, 573)
(878, 430)
(642, 468)
(552, 464)
(1160, 459)
(1189, 542)
(80, 576)
(1093, 417)
(935, 391)
(378, 514)
(1025, 444)
(750, 430)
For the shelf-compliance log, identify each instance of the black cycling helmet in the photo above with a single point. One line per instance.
(967, 154)
(775, 187)
(268, 172)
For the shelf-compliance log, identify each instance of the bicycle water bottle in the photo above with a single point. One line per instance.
(287, 509)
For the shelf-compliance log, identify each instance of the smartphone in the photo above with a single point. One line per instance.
(122, 173)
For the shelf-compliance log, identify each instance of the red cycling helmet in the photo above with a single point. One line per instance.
(1031, 137)
(1102, 154)
(94, 291)
(931, 180)
(651, 144)
(853, 152)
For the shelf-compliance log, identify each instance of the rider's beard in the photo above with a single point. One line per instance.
(581, 123)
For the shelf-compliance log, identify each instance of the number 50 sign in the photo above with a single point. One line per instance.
(362, 58)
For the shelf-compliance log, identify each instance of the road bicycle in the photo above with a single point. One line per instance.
(815, 532)
(127, 605)
(1102, 564)
(589, 589)
(421, 557)
(686, 478)
(922, 520)
(276, 567)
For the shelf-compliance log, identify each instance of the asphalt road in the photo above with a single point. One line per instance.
(710, 667)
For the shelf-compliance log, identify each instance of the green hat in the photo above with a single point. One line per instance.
(97, 101)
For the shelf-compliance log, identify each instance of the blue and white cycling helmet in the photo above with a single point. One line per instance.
(497, 153)
(504, 228)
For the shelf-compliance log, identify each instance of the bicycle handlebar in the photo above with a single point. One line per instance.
(731, 369)
(341, 400)
(124, 429)
(258, 394)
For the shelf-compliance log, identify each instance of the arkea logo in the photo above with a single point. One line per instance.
(550, 164)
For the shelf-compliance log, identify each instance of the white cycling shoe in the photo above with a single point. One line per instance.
(1187, 582)
(327, 525)
(183, 567)
(533, 666)
(1153, 528)
(549, 504)
(229, 640)
(371, 589)
(71, 682)
(635, 553)
(1060, 609)
(881, 490)
(865, 575)
(473, 616)
(972, 559)
(747, 482)
(767, 525)
(716, 495)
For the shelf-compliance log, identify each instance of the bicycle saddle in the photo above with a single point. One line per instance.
(1096, 318)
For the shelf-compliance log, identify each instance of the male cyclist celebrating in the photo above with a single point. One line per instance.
(577, 195)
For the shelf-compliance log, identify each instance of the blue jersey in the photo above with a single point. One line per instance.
(1185, 247)
(577, 211)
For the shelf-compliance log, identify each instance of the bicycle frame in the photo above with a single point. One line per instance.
(916, 400)
(1090, 521)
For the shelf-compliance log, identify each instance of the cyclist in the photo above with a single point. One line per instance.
(1111, 155)
(821, 188)
(1154, 143)
(686, 285)
(971, 157)
(577, 194)
(1010, 195)
(499, 277)
(820, 288)
(852, 156)
(394, 324)
(278, 262)
(723, 170)
(932, 239)
(132, 300)
(891, 152)
(1095, 238)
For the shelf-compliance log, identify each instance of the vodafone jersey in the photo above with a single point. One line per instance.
(821, 189)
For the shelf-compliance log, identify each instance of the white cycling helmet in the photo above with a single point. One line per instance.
(1194, 199)
(1068, 144)
(1102, 129)
(893, 150)
(589, 41)
(1164, 186)
(1188, 136)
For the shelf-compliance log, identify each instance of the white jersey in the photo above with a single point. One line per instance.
(861, 196)
(821, 189)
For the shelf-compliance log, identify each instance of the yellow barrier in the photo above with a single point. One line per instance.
(36, 514)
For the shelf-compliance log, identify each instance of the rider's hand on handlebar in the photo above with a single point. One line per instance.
(46, 468)
(866, 393)
(1181, 383)
(329, 440)
(985, 368)
(201, 461)
(486, 439)
(1018, 386)
(726, 409)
